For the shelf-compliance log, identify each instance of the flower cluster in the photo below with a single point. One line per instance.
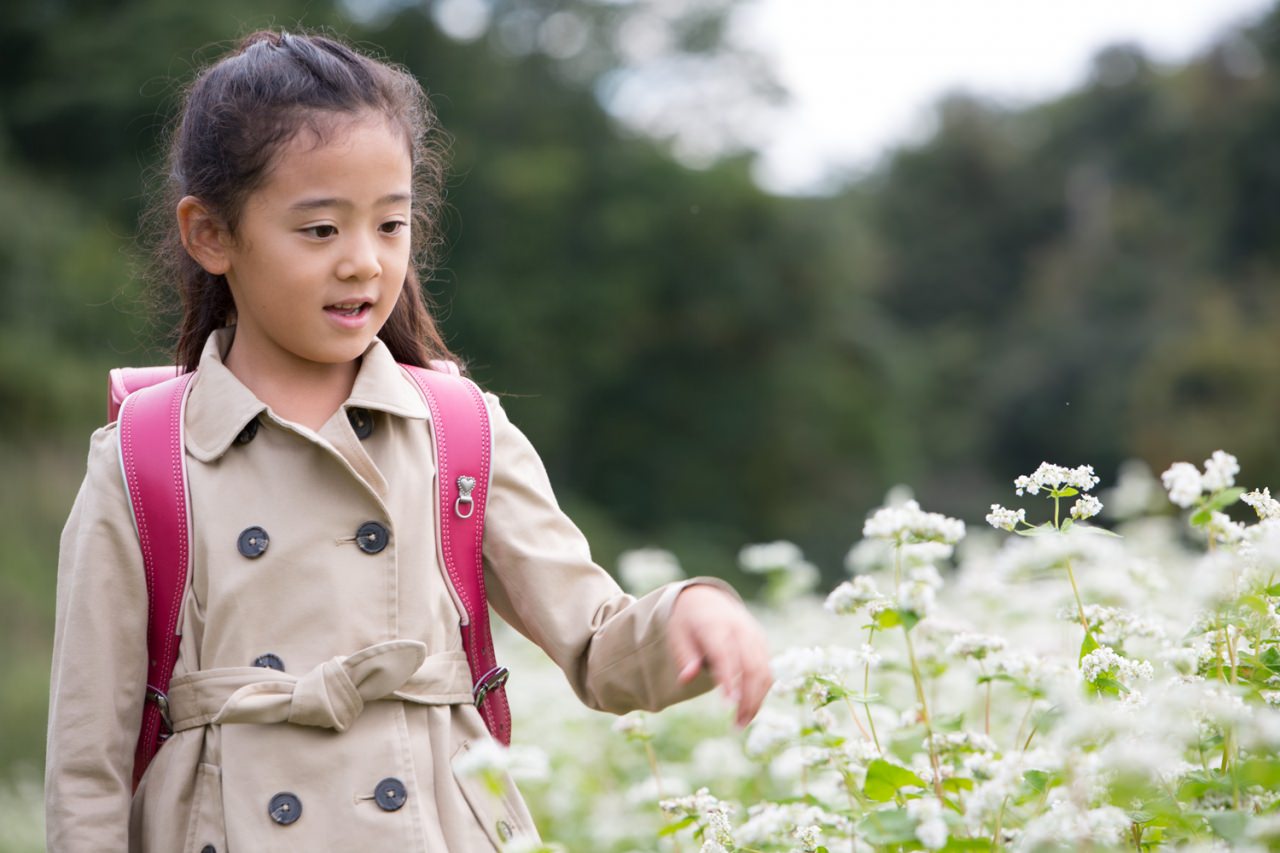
(1104, 661)
(908, 523)
(970, 728)
(1185, 483)
(1086, 506)
(1266, 506)
(1006, 519)
(851, 596)
(1055, 478)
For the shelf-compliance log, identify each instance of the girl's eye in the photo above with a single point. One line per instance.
(393, 227)
(320, 231)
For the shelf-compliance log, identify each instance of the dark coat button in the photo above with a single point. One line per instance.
(269, 661)
(361, 422)
(372, 537)
(208, 848)
(390, 794)
(285, 808)
(253, 541)
(250, 430)
(504, 830)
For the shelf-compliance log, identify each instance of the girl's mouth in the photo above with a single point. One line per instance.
(348, 309)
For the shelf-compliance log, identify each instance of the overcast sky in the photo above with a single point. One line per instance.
(862, 73)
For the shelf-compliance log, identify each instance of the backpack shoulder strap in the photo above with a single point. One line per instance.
(463, 444)
(151, 458)
(122, 381)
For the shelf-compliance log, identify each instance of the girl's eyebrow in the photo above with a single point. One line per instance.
(316, 203)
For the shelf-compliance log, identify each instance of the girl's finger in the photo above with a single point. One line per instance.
(688, 656)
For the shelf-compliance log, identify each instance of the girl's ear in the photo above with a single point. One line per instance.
(204, 236)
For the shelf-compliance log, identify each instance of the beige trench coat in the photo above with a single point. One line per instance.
(314, 602)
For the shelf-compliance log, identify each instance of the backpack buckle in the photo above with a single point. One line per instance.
(491, 680)
(154, 694)
(464, 501)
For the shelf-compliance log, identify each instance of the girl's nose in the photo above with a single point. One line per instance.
(359, 262)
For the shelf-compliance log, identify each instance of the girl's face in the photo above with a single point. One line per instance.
(322, 248)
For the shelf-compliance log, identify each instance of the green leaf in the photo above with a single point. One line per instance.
(890, 826)
(957, 783)
(1201, 517)
(1038, 530)
(1229, 825)
(1271, 659)
(909, 619)
(1274, 590)
(1109, 686)
(1259, 771)
(886, 619)
(884, 780)
(1000, 676)
(1037, 779)
(673, 828)
(967, 844)
(1067, 524)
(1068, 492)
(1223, 499)
(1256, 603)
(1089, 644)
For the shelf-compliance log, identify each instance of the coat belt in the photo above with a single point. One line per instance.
(331, 695)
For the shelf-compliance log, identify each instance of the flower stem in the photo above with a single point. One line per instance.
(982, 668)
(854, 714)
(924, 716)
(657, 779)
(866, 691)
(1084, 623)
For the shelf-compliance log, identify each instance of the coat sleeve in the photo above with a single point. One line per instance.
(98, 675)
(541, 579)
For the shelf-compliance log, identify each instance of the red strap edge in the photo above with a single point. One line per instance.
(152, 462)
(462, 438)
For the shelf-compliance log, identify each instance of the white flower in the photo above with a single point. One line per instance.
(769, 557)
(1086, 506)
(801, 671)
(1224, 530)
(868, 656)
(1054, 477)
(645, 569)
(1005, 519)
(634, 724)
(1105, 661)
(488, 756)
(769, 732)
(909, 523)
(850, 596)
(930, 828)
(1220, 471)
(976, 646)
(917, 597)
(1184, 483)
(809, 837)
(1266, 506)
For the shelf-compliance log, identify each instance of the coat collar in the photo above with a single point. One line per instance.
(220, 406)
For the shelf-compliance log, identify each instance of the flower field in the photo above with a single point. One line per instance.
(1039, 684)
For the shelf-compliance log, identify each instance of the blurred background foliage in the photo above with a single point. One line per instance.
(701, 364)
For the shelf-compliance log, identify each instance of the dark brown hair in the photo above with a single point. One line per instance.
(235, 118)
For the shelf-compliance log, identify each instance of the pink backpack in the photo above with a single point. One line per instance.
(149, 403)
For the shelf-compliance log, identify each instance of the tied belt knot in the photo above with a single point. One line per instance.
(330, 696)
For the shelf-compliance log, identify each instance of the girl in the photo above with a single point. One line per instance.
(303, 177)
